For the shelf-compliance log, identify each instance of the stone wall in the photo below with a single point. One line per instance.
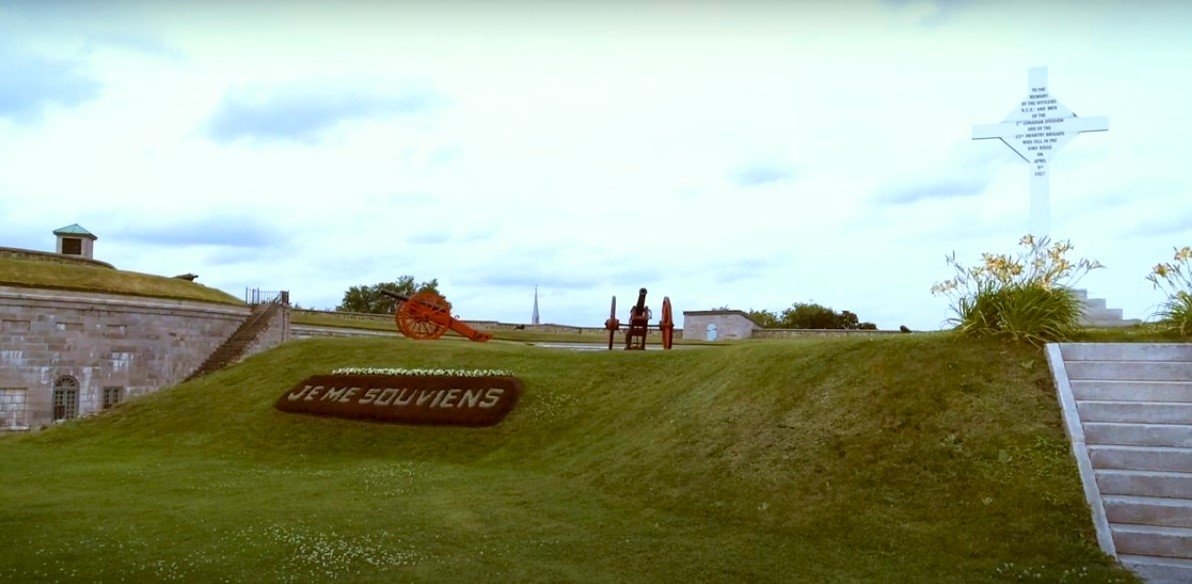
(137, 344)
(480, 325)
(279, 331)
(785, 333)
(310, 331)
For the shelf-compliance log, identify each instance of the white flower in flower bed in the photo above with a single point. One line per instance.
(421, 372)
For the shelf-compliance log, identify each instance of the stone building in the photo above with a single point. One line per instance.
(718, 325)
(68, 353)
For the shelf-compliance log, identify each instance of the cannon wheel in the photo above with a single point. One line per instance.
(424, 316)
(612, 318)
(667, 325)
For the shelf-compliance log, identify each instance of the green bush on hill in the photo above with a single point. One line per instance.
(1024, 297)
(1174, 278)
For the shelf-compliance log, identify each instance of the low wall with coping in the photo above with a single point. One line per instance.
(784, 333)
(310, 331)
(307, 330)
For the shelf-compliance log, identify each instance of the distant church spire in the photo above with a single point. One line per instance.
(534, 319)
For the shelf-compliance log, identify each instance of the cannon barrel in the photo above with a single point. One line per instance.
(640, 307)
(395, 296)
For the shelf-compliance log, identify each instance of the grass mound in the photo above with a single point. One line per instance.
(904, 459)
(35, 274)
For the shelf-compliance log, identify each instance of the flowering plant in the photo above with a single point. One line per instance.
(421, 372)
(1174, 278)
(1025, 296)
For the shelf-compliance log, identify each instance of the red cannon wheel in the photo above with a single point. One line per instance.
(667, 325)
(425, 316)
(612, 325)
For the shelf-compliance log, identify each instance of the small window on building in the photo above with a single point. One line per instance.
(72, 246)
(112, 396)
(12, 408)
(66, 398)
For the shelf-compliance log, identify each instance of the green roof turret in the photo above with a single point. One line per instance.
(74, 229)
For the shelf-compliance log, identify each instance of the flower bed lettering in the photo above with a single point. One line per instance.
(453, 399)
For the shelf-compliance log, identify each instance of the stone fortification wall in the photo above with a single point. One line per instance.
(310, 331)
(280, 330)
(307, 331)
(111, 346)
(784, 333)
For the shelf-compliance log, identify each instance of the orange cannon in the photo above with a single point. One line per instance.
(427, 315)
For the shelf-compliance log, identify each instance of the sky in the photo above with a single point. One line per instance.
(741, 154)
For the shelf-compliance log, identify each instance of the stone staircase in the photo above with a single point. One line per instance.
(1128, 411)
(233, 349)
(1098, 315)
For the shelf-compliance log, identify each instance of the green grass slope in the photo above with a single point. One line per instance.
(35, 274)
(906, 459)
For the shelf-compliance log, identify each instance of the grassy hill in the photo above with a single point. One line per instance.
(916, 458)
(36, 274)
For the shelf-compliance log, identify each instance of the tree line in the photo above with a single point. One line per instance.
(371, 299)
(800, 315)
(809, 315)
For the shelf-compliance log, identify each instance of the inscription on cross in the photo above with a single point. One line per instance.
(1035, 130)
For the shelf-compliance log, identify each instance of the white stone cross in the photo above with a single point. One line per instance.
(1035, 130)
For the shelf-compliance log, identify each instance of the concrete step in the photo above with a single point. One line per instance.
(1126, 351)
(1129, 370)
(1135, 412)
(1138, 434)
(1152, 540)
(1164, 459)
(1148, 510)
(1133, 404)
(1157, 570)
(1159, 391)
(1145, 483)
(1107, 322)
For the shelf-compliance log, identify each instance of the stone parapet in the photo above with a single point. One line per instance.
(137, 344)
(785, 333)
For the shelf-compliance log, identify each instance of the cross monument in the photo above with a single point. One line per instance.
(1038, 127)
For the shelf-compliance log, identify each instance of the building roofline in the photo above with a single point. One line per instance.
(741, 313)
(74, 229)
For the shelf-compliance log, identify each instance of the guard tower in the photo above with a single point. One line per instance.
(75, 241)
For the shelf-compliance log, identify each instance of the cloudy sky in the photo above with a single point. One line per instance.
(748, 154)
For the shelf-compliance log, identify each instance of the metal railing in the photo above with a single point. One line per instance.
(255, 296)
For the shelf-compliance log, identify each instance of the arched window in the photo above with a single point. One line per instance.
(66, 398)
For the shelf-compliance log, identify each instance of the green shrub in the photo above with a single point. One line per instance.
(1024, 297)
(1175, 279)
